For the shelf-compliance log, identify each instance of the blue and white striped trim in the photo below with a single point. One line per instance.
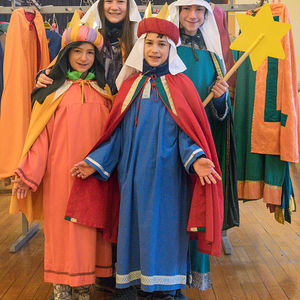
(98, 165)
(123, 279)
(192, 156)
(151, 280)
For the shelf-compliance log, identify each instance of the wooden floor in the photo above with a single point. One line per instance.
(264, 263)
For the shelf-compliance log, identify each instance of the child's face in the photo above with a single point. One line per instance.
(191, 18)
(81, 58)
(115, 10)
(156, 49)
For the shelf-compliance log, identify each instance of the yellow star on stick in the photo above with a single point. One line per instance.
(252, 28)
(260, 37)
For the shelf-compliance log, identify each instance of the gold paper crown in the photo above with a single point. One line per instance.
(90, 22)
(163, 13)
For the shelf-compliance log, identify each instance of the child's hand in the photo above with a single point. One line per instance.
(82, 170)
(219, 88)
(204, 167)
(20, 187)
(44, 80)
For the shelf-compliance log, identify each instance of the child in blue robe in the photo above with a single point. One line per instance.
(158, 138)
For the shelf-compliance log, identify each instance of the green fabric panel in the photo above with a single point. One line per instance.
(283, 119)
(4, 26)
(162, 92)
(271, 114)
(287, 191)
(142, 81)
(244, 102)
(201, 79)
(201, 229)
(199, 262)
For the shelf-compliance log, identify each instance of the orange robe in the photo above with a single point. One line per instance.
(74, 254)
(21, 63)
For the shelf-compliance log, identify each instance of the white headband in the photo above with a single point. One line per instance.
(134, 62)
(209, 28)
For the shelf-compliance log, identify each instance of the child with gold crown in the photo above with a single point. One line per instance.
(158, 139)
(67, 120)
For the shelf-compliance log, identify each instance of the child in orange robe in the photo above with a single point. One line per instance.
(67, 120)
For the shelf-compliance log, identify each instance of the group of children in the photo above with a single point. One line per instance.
(156, 179)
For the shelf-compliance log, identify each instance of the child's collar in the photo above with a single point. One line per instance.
(74, 75)
(158, 71)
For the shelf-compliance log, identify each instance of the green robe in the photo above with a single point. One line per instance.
(203, 74)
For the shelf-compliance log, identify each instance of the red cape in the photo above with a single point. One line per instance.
(96, 203)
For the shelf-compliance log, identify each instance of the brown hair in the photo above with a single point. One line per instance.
(127, 34)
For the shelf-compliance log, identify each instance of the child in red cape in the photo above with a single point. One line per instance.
(158, 139)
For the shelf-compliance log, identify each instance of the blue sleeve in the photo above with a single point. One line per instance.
(189, 151)
(220, 104)
(54, 43)
(105, 158)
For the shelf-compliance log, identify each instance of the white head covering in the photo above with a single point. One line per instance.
(134, 15)
(134, 62)
(209, 28)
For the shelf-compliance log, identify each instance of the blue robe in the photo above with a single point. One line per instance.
(153, 158)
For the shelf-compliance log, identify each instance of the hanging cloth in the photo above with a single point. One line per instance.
(264, 174)
(26, 52)
(275, 125)
(54, 42)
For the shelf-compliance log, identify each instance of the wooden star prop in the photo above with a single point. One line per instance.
(262, 25)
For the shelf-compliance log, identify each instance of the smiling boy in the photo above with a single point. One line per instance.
(158, 138)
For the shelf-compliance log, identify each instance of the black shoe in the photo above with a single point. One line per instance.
(105, 284)
(141, 295)
(162, 296)
(180, 295)
(124, 294)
